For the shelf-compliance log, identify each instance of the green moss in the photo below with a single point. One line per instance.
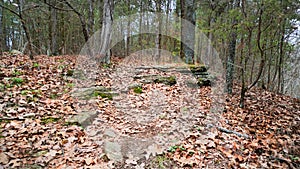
(170, 80)
(46, 120)
(68, 123)
(203, 82)
(103, 95)
(198, 68)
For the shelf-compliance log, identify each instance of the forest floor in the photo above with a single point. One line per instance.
(145, 125)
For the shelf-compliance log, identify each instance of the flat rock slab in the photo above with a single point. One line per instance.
(113, 150)
(84, 118)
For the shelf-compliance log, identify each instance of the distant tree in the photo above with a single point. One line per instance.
(108, 10)
(188, 15)
(231, 54)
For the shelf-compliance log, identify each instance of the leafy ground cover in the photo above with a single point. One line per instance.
(36, 103)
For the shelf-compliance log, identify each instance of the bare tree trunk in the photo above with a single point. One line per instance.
(128, 31)
(281, 55)
(140, 25)
(108, 9)
(182, 16)
(188, 30)
(158, 31)
(262, 61)
(53, 29)
(1, 31)
(168, 6)
(231, 57)
(24, 26)
(91, 17)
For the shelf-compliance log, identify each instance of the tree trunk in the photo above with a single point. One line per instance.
(281, 55)
(128, 30)
(53, 29)
(24, 26)
(108, 9)
(231, 57)
(158, 31)
(91, 17)
(182, 16)
(2, 30)
(188, 30)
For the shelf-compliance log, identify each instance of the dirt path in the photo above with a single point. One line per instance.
(135, 125)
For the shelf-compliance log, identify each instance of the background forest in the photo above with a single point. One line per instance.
(260, 39)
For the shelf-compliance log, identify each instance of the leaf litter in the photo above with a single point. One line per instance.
(34, 132)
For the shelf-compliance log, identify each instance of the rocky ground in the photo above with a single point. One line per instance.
(135, 116)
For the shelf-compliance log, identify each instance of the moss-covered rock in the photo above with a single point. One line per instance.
(170, 80)
(198, 68)
(46, 120)
(107, 95)
(203, 82)
(92, 92)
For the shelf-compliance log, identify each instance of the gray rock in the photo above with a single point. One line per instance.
(110, 133)
(113, 151)
(84, 118)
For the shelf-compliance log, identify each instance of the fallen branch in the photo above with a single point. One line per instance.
(232, 132)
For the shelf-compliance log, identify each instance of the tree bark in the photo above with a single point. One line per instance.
(231, 56)
(158, 31)
(108, 10)
(128, 30)
(2, 40)
(188, 30)
(91, 17)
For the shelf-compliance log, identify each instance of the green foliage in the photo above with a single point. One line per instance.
(16, 73)
(36, 65)
(61, 60)
(70, 72)
(138, 90)
(172, 149)
(16, 81)
(61, 67)
(70, 85)
(2, 87)
(160, 160)
(53, 96)
(106, 66)
(34, 93)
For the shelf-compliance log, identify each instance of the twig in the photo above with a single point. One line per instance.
(11, 118)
